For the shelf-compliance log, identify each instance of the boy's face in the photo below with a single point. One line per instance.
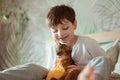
(64, 33)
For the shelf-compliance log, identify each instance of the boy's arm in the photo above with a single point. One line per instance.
(102, 67)
(87, 74)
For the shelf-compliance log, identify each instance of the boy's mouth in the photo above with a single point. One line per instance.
(63, 38)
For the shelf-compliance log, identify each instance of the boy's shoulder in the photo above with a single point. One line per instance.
(86, 39)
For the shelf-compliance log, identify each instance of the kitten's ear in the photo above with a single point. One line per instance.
(60, 45)
(69, 49)
(57, 45)
(57, 42)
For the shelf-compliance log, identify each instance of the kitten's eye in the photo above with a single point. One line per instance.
(54, 31)
(59, 57)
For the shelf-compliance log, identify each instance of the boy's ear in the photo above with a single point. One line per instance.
(75, 24)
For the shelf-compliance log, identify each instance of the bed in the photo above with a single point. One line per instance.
(110, 42)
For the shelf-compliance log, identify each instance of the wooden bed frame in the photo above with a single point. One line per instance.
(106, 36)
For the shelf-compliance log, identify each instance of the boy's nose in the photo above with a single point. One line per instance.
(60, 33)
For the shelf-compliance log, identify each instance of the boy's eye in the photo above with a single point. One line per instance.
(65, 28)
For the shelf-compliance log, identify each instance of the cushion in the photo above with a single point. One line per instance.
(117, 66)
(111, 49)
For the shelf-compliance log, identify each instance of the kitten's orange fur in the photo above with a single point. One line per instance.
(63, 60)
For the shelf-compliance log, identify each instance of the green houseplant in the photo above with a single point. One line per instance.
(13, 23)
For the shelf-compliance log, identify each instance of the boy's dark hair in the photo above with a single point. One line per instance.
(59, 13)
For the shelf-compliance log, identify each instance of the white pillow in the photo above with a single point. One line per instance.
(117, 66)
(111, 49)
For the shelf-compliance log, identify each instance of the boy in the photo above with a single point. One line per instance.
(85, 51)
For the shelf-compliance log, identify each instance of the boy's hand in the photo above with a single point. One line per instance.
(87, 74)
(74, 67)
